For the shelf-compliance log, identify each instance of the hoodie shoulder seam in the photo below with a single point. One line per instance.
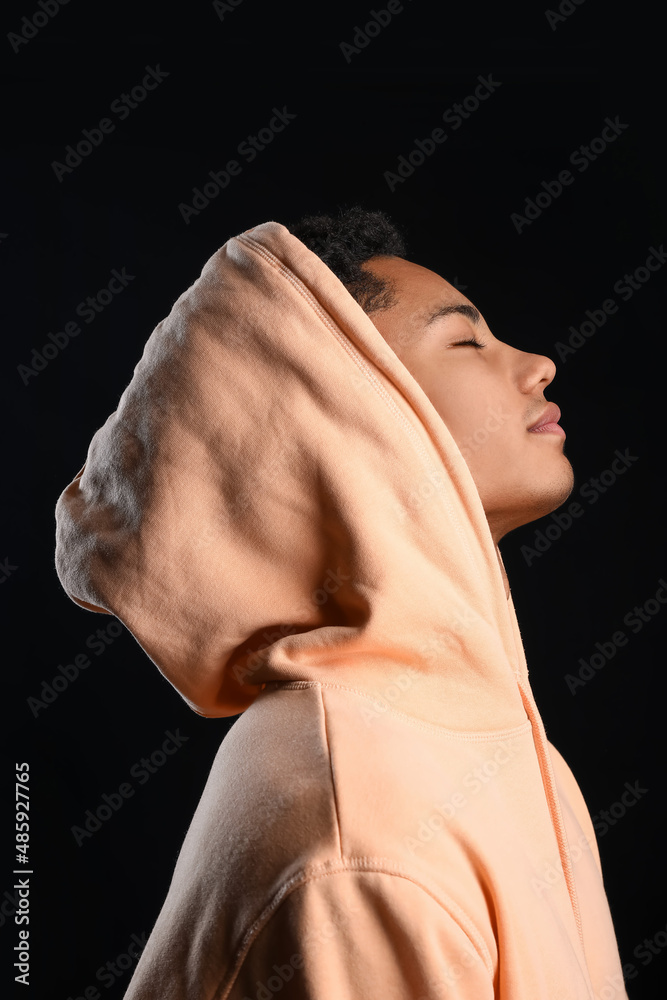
(470, 736)
(344, 866)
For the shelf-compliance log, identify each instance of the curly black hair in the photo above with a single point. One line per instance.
(347, 241)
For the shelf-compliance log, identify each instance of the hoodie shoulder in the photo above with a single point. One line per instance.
(362, 933)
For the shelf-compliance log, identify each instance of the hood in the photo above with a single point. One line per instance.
(276, 499)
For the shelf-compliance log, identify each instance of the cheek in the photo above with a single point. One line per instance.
(473, 411)
(486, 431)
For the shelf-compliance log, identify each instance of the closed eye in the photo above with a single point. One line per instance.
(470, 340)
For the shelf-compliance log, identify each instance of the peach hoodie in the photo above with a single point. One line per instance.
(281, 518)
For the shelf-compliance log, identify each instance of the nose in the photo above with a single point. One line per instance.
(535, 371)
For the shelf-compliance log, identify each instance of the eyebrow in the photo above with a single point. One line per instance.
(446, 310)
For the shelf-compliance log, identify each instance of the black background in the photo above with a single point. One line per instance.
(119, 208)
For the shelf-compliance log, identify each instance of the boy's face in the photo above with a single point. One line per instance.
(488, 396)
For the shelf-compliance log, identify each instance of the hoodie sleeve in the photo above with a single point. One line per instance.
(364, 934)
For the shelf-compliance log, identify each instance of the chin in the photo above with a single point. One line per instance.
(526, 503)
(554, 497)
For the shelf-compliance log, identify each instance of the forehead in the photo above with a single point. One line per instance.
(418, 290)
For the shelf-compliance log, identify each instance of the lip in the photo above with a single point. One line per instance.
(548, 422)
